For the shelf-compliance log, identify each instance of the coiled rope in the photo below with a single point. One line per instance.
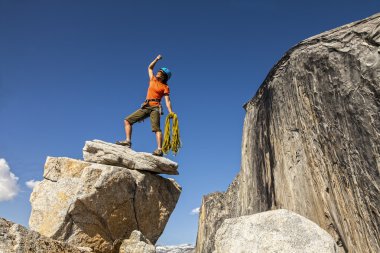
(173, 141)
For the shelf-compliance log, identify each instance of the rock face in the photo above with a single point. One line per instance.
(137, 243)
(311, 141)
(98, 205)
(273, 231)
(111, 154)
(15, 238)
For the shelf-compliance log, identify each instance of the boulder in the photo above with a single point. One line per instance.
(15, 238)
(273, 231)
(137, 243)
(311, 141)
(96, 205)
(112, 154)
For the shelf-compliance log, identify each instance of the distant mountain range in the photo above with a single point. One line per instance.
(182, 248)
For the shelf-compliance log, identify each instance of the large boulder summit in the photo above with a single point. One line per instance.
(271, 232)
(98, 205)
(311, 141)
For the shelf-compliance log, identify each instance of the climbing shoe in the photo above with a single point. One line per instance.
(128, 144)
(158, 152)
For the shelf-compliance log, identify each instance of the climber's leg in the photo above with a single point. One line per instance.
(155, 123)
(159, 139)
(137, 116)
(128, 130)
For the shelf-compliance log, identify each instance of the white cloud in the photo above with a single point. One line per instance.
(8, 182)
(195, 211)
(31, 183)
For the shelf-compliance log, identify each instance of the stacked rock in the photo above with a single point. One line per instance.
(99, 202)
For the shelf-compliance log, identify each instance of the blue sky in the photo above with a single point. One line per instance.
(70, 71)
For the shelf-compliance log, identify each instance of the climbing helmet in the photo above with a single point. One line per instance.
(167, 72)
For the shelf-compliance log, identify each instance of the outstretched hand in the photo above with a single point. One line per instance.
(151, 66)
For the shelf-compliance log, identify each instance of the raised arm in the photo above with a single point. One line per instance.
(168, 104)
(151, 66)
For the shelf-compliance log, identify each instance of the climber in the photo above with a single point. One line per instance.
(151, 107)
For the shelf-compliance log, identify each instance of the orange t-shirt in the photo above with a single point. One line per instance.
(156, 90)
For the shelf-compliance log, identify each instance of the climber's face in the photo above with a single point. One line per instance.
(160, 75)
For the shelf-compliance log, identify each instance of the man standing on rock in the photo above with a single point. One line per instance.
(151, 107)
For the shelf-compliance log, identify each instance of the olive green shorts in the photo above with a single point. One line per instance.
(143, 113)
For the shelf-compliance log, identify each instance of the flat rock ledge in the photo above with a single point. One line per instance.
(98, 151)
(15, 238)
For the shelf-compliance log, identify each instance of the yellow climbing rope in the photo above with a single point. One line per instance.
(172, 142)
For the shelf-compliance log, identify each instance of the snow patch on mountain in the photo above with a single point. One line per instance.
(182, 248)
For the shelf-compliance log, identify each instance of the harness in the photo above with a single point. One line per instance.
(158, 108)
(152, 100)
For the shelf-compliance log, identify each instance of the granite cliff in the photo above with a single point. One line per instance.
(311, 141)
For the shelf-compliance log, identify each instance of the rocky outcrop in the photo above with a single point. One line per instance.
(273, 231)
(111, 154)
(311, 141)
(98, 206)
(137, 243)
(215, 208)
(15, 238)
